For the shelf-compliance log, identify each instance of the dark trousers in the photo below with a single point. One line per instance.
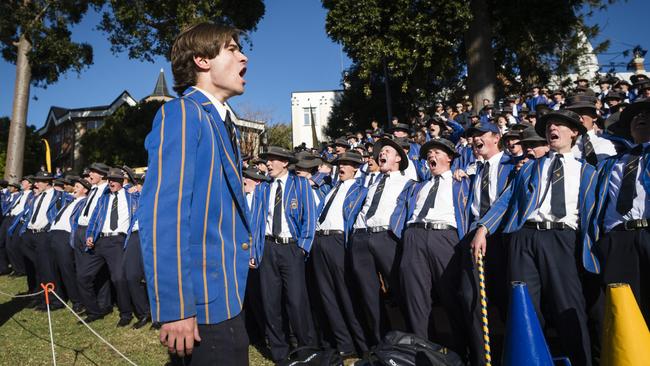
(254, 314)
(4, 258)
(430, 268)
(375, 259)
(134, 276)
(335, 280)
(14, 251)
(102, 285)
(546, 262)
(496, 288)
(282, 273)
(65, 273)
(38, 258)
(107, 251)
(625, 257)
(223, 344)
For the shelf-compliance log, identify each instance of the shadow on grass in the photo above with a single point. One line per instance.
(77, 352)
(10, 308)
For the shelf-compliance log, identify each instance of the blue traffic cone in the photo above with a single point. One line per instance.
(524, 342)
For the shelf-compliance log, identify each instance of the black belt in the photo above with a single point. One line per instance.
(329, 232)
(632, 225)
(37, 231)
(375, 229)
(105, 235)
(283, 241)
(431, 226)
(547, 225)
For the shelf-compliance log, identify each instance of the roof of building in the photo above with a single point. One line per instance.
(160, 90)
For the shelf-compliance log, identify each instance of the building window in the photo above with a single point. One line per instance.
(91, 125)
(307, 115)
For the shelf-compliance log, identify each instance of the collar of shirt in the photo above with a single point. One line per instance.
(221, 108)
(101, 186)
(566, 155)
(394, 174)
(282, 179)
(494, 160)
(446, 175)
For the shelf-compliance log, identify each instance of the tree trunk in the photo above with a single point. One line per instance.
(389, 102)
(481, 75)
(16, 143)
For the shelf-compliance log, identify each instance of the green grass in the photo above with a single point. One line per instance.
(25, 339)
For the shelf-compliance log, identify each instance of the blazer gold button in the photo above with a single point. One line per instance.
(245, 246)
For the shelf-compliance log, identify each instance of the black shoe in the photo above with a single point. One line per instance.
(142, 322)
(155, 325)
(6, 272)
(16, 274)
(53, 307)
(348, 354)
(124, 322)
(91, 318)
(79, 308)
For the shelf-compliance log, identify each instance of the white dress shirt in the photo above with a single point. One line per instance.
(494, 178)
(20, 204)
(285, 233)
(410, 171)
(442, 211)
(64, 221)
(249, 199)
(571, 167)
(640, 203)
(603, 147)
(394, 185)
(371, 175)
(334, 219)
(221, 108)
(93, 197)
(45, 198)
(123, 214)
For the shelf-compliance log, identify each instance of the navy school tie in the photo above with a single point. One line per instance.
(627, 191)
(38, 207)
(558, 207)
(92, 195)
(323, 214)
(485, 189)
(114, 212)
(431, 199)
(376, 197)
(277, 210)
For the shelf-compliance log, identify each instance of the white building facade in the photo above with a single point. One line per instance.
(308, 106)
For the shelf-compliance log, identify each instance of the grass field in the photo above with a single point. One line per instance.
(25, 339)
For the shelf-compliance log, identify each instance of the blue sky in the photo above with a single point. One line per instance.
(291, 52)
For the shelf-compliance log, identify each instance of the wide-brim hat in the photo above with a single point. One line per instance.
(403, 142)
(43, 176)
(581, 78)
(530, 135)
(436, 121)
(100, 168)
(279, 152)
(558, 92)
(83, 182)
(403, 164)
(307, 164)
(341, 142)
(622, 127)
(401, 127)
(565, 115)
(614, 95)
(349, 157)
(581, 101)
(129, 173)
(14, 184)
(252, 173)
(511, 134)
(439, 143)
(520, 126)
(623, 82)
(115, 174)
(255, 161)
(29, 178)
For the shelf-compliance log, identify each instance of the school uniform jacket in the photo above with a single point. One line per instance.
(193, 217)
(98, 217)
(299, 210)
(74, 217)
(506, 166)
(21, 217)
(352, 205)
(59, 199)
(511, 210)
(408, 198)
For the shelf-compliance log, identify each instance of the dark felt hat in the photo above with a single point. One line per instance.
(638, 77)
(58, 183)
(642, 85)
(307, 164)
(100, 168)
(14, 184)
(3, 183)
(252, 173)
(614, 95)
(439, 143)
(530, 135)
(581, 78)
(43, 176)
(622, 82)
(558, 92)
(565, 115)
(29, 178)
(403, 164)
(129, 173)
(581, 101)
(436, 121)
(403, 142)
(255, 161)
(342, 141)
(83, 182)
(401, 127)
(622, 127)
(279, 152)
(520, 126)
(115, 174)
(511, 134)
(349, 157)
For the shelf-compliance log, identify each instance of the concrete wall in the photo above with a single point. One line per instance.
(321, 103)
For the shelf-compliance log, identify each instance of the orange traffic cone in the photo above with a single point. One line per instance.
(626, 339)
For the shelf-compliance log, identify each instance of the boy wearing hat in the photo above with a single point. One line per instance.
(374, 248)
(547, 215)
(284, 220)
(621, 217)
(535, 99)
(403, 130)
(337, 213)
(430, 219)
(11, 196)
(590, 146)
(12, 226)
(105, 238)
(61, 237)
(252, 178)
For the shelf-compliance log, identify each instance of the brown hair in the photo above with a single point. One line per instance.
(202, 39)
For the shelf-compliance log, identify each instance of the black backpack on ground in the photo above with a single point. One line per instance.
(312, 356)
(403, 349)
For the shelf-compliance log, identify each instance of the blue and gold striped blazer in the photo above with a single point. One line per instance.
(511, 210)
(194, 221)
(352, 205)
(299, 208)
